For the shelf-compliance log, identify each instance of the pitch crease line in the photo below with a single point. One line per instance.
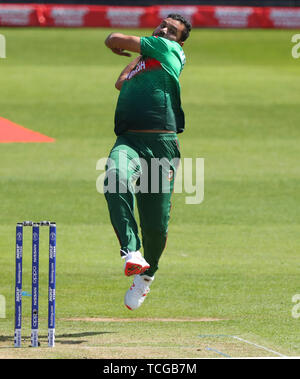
(242, 340)
(218, 352)
(259, 346)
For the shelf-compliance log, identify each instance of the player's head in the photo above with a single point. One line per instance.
(174, 27)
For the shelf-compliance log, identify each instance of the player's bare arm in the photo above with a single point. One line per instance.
(119, 43)
(126, 71)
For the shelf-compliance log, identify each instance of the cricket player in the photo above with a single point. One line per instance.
(148, 118)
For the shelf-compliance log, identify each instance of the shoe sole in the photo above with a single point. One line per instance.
(135, 269)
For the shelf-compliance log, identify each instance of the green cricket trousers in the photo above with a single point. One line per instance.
(142, 166)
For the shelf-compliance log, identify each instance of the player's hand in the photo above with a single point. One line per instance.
(120, 52)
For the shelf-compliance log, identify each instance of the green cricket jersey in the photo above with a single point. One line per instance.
(150, 95)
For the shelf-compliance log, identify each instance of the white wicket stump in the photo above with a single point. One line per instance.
(51, 337)
(17, 339)
(34, 338)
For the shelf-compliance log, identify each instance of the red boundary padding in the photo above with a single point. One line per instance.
(11, 132)
(147, 17)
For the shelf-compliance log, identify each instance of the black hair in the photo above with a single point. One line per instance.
(187, 24)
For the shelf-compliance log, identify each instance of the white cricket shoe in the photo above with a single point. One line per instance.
(137, 293)
(135, 263)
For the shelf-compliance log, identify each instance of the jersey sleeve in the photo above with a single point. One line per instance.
(168, 53)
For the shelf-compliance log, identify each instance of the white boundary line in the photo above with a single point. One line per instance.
(259, 346)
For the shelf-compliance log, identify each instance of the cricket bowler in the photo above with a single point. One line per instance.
(148, 118)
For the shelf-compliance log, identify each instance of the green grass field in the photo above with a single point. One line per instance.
(231, 266)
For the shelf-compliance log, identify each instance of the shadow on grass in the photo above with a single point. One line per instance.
(59, 338)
